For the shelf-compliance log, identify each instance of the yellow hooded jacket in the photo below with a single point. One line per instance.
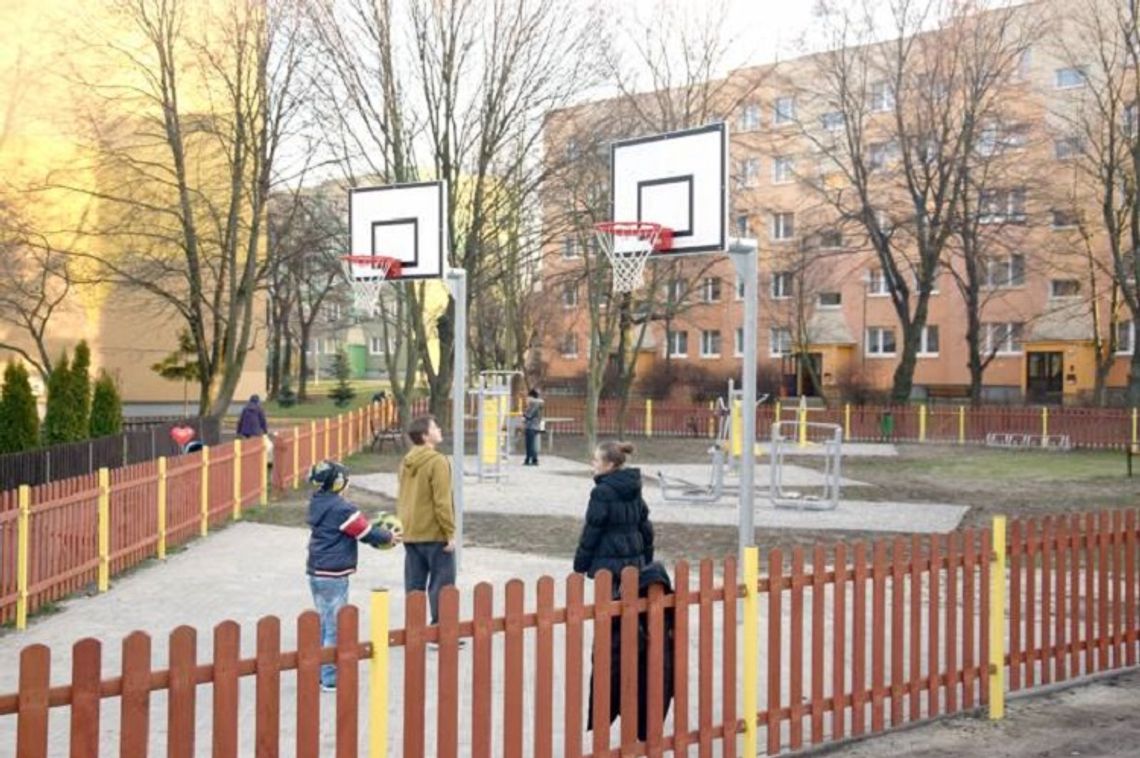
(424, 502)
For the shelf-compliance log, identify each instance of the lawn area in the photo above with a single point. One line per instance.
(319, 405)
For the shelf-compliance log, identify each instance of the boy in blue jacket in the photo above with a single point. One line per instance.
(335, 527)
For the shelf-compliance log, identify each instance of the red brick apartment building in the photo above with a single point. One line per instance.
(1046, 275)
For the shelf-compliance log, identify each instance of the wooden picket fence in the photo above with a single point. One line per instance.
(860, 639)
(62, 537)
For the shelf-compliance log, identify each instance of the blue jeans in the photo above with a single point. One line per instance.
(428, 567)
(330, 594)
(532, 446)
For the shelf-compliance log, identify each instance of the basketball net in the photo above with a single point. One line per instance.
(628, 246)
(366, 289)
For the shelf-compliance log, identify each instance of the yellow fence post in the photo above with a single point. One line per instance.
(264, 471)
(648, 417)
(296, 457)
(712, 420)
(161, 505)
(204, 525)
(961, 425)
(22, 557)
(846, 422)
(1044, 426)
(778, 413)
(328, 434)
(803, 411)
(751, 678)
(737, 429)
(237, 480)
(104, 530)
(922, 423)
(997, 621)
(378, 676)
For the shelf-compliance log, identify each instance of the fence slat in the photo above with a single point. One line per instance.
(86, 671)
(1130, 587)
(134, 722)
(878, 633)
(969, 563)
(1030, 639)
(1090, 567)
(1047, 537)
(181, 704)
(775, 618)
(1103, 631)
(705, 661)
(1076, 567)
(681, 600)
(951, 623)
(544, 670)
(347, 681)
(898, 619)
(933, 660)
(838, 643)
(859, 642)
(227, 649)
(481, 670)
(818, 568)
(513, 679)
(984, 560)
(600, 684)
(308, 685)
(415, 665)
(796, 658)
(728, 652)
(655, 701)
(1060, 586)
(1117, 544)
(447, 672)
(32, 716)
(268, 687)
(575, 613)
(628, 658)
(914, 705)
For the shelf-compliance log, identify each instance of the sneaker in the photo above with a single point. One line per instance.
(328, 688)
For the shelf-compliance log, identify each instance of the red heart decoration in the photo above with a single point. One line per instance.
(182, 435)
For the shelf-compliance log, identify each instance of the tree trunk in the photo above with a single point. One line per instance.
(303, 363)
(973, 342)
(903, 381)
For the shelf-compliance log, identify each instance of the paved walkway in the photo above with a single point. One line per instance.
(561, 487)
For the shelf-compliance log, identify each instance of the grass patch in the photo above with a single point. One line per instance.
(320, 405)
(1002, 465)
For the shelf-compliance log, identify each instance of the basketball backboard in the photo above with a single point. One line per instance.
(407, 222)
(677, 179)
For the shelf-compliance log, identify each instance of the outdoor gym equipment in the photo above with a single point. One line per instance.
(677, 490)
(783, 433)
(493, 398)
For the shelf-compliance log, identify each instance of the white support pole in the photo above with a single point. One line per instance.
(743, 254)
(457, 280)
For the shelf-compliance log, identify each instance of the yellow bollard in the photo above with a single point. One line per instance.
(378, 676)
(779, 412)
(22, 557)
(961, 425)
(1044, 426)
(204, 526)
(237, 480)
(104, 530)
(922, 423)
(712, 420)
(161, 549)
(751, 679)
(847, 422)
(801, 413)
(737, 429)
(648, 417)
(296, 457)
(264, 500)
(997, 621)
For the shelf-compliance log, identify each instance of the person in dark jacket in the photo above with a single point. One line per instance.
(653, 574)
(335, 526)
(617, 532)
(252, 422)
(532, 421)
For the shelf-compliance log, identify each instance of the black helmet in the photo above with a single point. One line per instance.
(329, 476)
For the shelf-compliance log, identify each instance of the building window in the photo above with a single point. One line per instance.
(569, 248)
(710, 289)
(677, 343)
(569, 345)
(375, 345)
(710, 343)
(882, 97)
(831, 239)
(830, 300)
(1067, 147)
(1125, 337)
(739, 288)
(877, 283)
(1064, 288)
(997, 206)
(880, 340)
(781, 170)
(779, 341)
(750, 172)
(1008, 271)
(832, 121)
(1003, 338)
(1065, 219)
(332, 311)
(738, 345)
(743, 226)
(785, 110)
(1130, 119)
(331, 346)
(928, 342)
(675, 290)
(783, 226)
(781, 285)
(570, 296)
(750, 118)
(1069, 78)
(879, 154)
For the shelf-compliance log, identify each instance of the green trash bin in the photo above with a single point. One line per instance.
(887, 425)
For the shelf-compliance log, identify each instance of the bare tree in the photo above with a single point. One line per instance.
(896, 123)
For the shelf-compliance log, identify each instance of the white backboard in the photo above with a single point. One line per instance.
(407, 222)
(678, 180)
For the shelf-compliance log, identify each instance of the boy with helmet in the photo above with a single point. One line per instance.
(335, 527)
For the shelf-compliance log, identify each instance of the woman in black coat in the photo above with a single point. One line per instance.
(617, 532)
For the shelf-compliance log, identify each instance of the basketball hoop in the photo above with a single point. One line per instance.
(628, 245)
(367, 274)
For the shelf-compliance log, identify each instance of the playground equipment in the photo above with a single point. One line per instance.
(783, 432)
(493, 399)
(730, 416)
(677, 490)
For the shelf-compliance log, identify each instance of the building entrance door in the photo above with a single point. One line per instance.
(1045, 381)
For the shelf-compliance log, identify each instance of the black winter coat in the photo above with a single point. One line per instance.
(617, 531)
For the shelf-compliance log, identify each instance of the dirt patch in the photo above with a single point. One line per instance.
(1098, 718)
